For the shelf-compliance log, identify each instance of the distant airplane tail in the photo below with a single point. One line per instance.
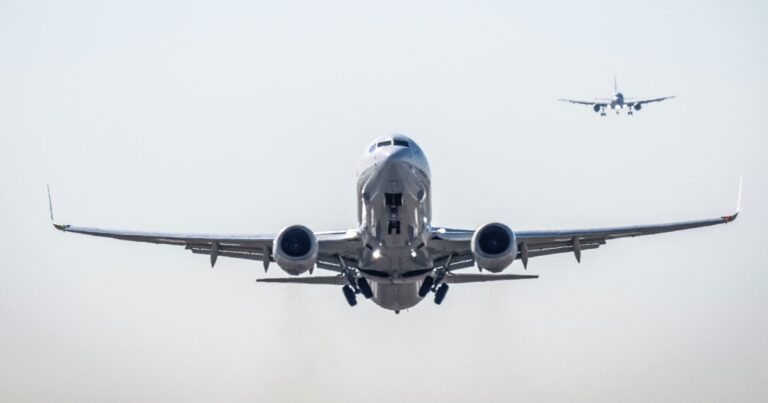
(615, 87)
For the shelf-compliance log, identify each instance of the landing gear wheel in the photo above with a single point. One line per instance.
(365, 288)
(440, 294)
(426, 286)
(349, 294)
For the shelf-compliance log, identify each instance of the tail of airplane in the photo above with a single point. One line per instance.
(615, 87)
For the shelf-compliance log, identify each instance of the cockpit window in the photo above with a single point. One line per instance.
(384, 143)
(401, 143)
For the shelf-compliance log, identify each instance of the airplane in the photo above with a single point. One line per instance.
(617, 102)
(395, 256)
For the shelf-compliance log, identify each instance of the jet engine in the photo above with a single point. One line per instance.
(295, 249)
(494, 247)
(638, 107)
(596, 108)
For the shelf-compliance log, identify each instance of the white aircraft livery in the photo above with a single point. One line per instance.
(616, 103)
(395, 256)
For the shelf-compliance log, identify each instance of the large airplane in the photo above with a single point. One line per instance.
(616, 103)
(395, 256)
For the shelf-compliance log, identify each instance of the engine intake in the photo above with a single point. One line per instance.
(494, 247)
(295, 249)
(638, 107)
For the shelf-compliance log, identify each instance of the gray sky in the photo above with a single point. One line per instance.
(244, 117)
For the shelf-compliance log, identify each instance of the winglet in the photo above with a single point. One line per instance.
(732, 217)
(59, 227)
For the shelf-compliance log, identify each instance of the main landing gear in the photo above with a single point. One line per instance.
(430, 284)
(361, 286)
(354, 285)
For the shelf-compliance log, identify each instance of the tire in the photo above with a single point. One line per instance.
(440, 294)
(426, 285)
(365, 288)
(349, 294)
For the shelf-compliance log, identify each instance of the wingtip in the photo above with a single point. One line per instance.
(735, 215)
(60, 227)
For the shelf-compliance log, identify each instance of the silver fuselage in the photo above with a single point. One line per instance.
(394, 211)
(617, 101)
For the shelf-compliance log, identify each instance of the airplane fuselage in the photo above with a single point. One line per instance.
(394, 212)
(617, 101)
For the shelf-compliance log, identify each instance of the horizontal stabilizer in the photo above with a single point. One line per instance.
(329, 280)
(479, 278)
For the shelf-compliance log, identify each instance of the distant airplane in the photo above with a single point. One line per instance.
(617, 103)
(395, 256)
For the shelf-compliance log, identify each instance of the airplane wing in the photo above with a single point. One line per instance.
(647, 101)
(590, 103)
(455, 243)
(252, 247)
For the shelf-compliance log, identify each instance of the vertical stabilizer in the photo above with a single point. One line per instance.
(615, 87)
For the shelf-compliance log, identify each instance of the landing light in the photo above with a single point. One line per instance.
(377, 253)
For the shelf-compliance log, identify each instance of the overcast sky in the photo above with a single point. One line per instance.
(245, 117)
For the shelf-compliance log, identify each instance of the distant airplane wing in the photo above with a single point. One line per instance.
(647, 101)
(590, 103)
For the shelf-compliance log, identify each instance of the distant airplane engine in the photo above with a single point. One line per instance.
(295, 249)
(494, 247)
(596, 108)
(638, 107)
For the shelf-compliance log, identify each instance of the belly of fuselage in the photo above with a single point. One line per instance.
(396, 296)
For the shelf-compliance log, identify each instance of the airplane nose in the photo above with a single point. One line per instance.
(398, 154)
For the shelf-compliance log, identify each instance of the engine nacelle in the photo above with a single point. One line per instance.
(295, 249)
(494, 247)
(596, 108)
(638, 107)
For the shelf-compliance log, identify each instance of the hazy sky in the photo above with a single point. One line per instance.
(244, 117)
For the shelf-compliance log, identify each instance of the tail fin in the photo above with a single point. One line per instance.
(615, 87)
